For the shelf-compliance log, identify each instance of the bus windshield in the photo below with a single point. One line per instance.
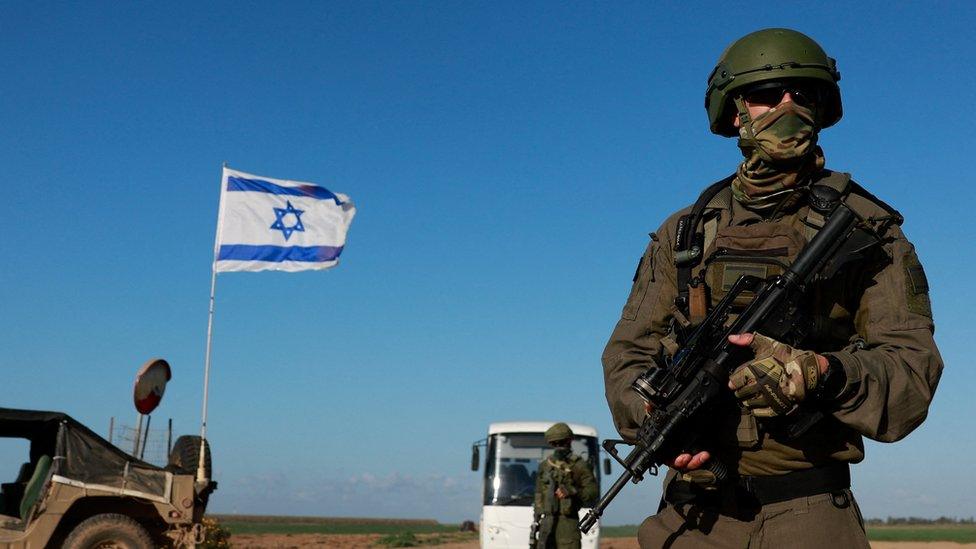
(512, 464)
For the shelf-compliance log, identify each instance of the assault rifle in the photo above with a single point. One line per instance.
(697, 376)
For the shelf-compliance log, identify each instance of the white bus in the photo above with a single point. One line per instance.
(513, 451)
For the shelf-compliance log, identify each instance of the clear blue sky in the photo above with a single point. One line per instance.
(507, 161)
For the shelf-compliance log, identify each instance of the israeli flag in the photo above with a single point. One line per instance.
(276, 224)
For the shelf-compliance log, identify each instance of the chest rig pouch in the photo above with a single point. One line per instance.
(762, 250)
(561, 476)
(710, 258)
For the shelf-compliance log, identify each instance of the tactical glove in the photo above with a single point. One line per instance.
(776, 380)
(702, 478)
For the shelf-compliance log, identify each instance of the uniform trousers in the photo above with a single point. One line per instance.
(565, 534)
(830, 520)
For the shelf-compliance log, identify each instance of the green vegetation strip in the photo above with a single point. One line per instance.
(628, 531)
(250, 524)
(407, 539)
(958, 534)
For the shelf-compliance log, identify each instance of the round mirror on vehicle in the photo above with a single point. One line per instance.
(475, 458)
(150, 385)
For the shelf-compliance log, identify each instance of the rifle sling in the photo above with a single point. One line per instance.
(688, 236)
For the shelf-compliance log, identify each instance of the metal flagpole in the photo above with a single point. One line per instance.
(145, 438)
(201, 473)
(135, 443)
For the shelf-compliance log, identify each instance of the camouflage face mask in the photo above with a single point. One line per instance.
(561, 454)
(782, 136)
(781, 152)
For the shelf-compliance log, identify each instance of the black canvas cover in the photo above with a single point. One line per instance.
(80, 454)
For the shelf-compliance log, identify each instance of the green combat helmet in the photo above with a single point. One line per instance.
(765, 56)
(559, 431)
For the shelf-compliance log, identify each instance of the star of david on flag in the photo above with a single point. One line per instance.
(277, 224)
(280, 220)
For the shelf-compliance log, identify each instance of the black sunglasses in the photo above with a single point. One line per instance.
(772, 93)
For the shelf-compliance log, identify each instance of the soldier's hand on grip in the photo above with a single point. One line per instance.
(684, 462)
(777, 379)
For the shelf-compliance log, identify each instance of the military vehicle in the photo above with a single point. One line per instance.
(76, 490)
(513, 451)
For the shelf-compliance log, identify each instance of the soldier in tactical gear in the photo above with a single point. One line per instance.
(564, 484)
(861, 352)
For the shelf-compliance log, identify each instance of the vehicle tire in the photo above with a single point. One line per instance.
(184, 458)
(109, 530)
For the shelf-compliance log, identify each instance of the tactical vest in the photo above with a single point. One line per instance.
(710, 258)
(560, 473)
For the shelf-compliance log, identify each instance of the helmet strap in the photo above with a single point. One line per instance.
(745, 120)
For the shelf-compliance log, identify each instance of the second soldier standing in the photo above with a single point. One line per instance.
(565, 483)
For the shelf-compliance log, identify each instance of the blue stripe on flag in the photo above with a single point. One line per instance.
(259, 185)
(244, 252)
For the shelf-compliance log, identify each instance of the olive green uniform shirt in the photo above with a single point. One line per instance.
(874, 317)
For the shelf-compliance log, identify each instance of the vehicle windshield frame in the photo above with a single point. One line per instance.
(519, 454)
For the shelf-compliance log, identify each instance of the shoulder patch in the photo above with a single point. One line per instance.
(916, 286)
(643, 276)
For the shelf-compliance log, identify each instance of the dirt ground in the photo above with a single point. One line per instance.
(345, 541)
(364, 541)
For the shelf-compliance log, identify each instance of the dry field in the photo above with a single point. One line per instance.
(369, 541)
